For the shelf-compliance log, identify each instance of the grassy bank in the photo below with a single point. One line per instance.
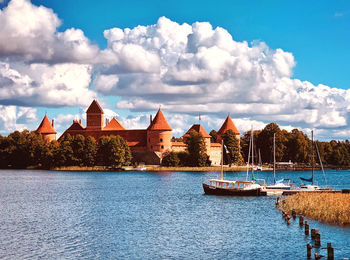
(332, 208)
(195, 169)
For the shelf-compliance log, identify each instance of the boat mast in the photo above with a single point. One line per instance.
(222, 160)
(250, 143)
(252, 138)
(274, 158)
(312, 154)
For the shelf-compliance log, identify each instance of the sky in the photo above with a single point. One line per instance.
(257, 61)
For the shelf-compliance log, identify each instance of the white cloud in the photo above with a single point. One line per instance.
(16, 118)
(185, 69)
(29, 32)
(45, 85)
(203, 69)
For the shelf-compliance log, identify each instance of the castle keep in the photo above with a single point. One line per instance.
(147, 145)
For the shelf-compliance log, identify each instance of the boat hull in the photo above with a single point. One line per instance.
(210, 190)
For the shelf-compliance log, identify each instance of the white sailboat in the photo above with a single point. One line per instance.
(283, 184)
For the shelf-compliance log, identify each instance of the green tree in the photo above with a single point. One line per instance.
(4, 152)
(245, 140)
(49, 155)
(214, 136)
(113, 151)
(171, 159)
(298, 146)
(90, 150)
(265, 142)
(197, 151)
(233, 147)
(78, 147)
(64, 154)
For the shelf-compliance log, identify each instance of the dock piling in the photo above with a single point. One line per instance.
(294, 214)
(317, 240)
(301, 221)
(306, 226)
(314, 231)
(308, 251)
(330, 252)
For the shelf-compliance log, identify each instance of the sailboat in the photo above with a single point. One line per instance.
(280, 184)
(312, 186)
(231, 188)
(259, 167)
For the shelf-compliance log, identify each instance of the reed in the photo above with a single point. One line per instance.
(332, 208)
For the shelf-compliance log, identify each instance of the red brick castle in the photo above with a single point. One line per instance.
(147, 145)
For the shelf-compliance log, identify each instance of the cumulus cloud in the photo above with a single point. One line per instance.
(29, 32)
(197, 68)
(45, 85)
(184, 68)
(16, 118)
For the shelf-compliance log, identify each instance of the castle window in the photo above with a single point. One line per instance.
(162, 146)
(151, 146)
(161, 139)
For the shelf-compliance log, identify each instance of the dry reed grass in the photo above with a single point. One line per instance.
(332, 208)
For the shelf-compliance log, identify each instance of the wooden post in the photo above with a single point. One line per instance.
(301, 221)
(330, 252)
(294, 214)
(314, 231)
(317, 240)
(306, 228)
(308, 251)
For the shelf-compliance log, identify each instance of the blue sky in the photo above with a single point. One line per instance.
(313, 38)
(316, 32)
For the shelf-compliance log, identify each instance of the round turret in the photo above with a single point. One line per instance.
(159, 134)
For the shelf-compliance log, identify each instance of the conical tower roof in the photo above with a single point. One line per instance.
(114, 124)
(198, 128)
(228, 125)
(45, 127)
(159, 122)
(94, 108)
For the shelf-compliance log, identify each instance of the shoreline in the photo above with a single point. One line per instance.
(158, 168)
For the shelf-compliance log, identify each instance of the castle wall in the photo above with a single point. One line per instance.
(178, 147)
(215, 155)
(49, 137)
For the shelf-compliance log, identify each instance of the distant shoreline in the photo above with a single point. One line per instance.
(158, 168)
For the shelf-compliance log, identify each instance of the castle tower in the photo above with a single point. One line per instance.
(46, 130)
(199, 129)
(227, 125)
(159, 134)
(94, 117)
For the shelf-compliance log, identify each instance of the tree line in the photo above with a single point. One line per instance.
(28, 149)
(295, 146)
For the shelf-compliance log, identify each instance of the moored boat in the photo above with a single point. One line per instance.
(223, 187)
(232, 188)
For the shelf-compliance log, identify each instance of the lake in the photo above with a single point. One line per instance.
(144, 215)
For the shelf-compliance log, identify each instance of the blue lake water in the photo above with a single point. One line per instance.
(142, 215)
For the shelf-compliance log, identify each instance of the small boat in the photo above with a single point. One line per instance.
(312, 186)
(283, 184)
(232, 188)
(223, 187)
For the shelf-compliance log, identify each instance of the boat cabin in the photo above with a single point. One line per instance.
(217, 183)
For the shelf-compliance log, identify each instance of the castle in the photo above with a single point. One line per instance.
(147, 145)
